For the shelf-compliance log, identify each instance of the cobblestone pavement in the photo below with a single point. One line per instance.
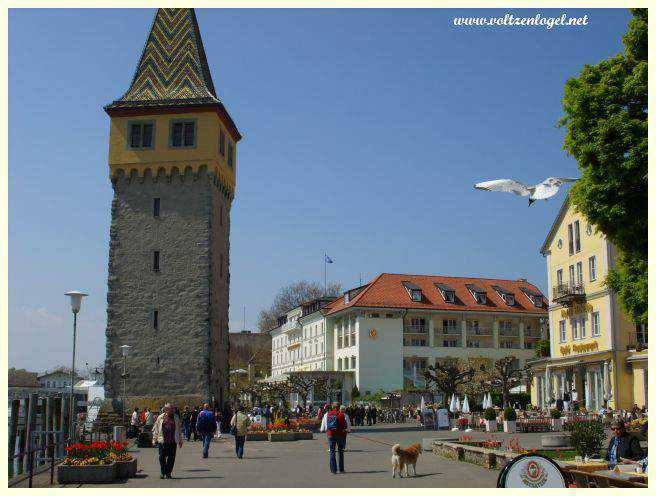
(305, 464)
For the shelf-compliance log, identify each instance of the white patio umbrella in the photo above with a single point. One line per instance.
(465, 405)
(422, 406)
(458, 409)
(452, 405)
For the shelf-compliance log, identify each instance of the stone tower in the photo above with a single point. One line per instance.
(172, 164)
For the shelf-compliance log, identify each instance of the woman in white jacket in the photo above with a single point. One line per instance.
(166, 435)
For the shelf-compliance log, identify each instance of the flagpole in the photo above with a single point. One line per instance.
(325, 275)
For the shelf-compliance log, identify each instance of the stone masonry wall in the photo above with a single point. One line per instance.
(175, 358)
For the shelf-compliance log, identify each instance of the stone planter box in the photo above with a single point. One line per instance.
(448, 450)
(282, 436)
(89, 474)
(557, 424)
(509, 426)
(491, 426)
(257, 436)
(485, 457)
(125, 470)
(303, 436)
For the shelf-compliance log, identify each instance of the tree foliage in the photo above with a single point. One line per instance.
(606, 113)
(292, 296)
(505, 375)
(542, 348)
(448, 376)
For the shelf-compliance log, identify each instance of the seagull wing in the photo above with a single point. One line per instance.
(550, 186)
(505, 186)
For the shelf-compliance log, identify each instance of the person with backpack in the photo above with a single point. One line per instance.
(239, 427)
(335, 426)
(205, 426)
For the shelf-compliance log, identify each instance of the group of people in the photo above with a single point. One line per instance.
(170, 428)
(359, 414)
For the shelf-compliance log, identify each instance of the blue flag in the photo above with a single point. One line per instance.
(328, 259)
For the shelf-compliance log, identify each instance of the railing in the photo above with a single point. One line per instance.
(440, 343)
(508, 345)
(415, 329)
(415, 342)
(510, 332)
(568, 291)
(452, 331)
(478, 331)
(532, 333)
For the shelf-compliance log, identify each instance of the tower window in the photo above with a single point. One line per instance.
(155, 319)
(155, 207)
(156, 260)
(183, 134)
(231, 155)
(140, 135)
(222, 142)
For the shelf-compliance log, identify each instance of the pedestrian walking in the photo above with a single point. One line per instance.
(205, 426)
(166, 435)
(334, 425)
(186, 422)
(194, 418)
(149, 420)
(217, 418)
(347, 419)
(239, 426)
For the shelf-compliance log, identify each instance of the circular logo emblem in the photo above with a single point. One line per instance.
(531, 471)
(372, 334)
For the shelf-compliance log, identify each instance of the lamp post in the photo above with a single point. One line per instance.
(125, 351)
(76, 303)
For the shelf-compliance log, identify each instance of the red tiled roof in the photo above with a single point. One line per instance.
(387, 291)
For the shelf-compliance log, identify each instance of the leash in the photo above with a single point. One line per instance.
(370, 439)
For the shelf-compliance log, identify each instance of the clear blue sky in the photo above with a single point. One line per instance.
(364, 132)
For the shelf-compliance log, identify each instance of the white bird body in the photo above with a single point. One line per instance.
(541, 191)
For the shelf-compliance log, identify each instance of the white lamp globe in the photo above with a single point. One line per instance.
(76, 299)
(125, 350)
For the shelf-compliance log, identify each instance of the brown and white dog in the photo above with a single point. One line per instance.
(404, 457)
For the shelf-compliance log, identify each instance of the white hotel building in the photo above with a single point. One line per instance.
(387, 331)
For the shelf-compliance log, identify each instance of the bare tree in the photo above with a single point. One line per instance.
(302, 385)
(448, 376)
(505, 375)
(327, 385)
(292, 296)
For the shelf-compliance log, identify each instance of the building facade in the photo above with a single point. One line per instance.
(172, 165)
(597, 355)
(388, 331)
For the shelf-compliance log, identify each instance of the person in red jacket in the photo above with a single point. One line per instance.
(334, 425)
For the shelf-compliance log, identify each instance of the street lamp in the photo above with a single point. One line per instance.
(125, 351)
(76, 303)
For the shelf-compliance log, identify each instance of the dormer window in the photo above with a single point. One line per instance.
(510, 299)
(413, 290)
(447, 292)
(479, 295)
(507, 296)
(535, 297)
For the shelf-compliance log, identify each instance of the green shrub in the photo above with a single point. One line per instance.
(555, 413)
(355, 392)
(587, 438)
(490, 414)
(509, 414)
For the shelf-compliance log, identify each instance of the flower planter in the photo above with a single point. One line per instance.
(557, 424)
(257, 436)
(509, 426)
(303, 436)
(70, 474)
(491, 425)
(126, 469)
(282, 436)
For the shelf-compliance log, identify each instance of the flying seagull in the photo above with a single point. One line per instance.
(541, 191)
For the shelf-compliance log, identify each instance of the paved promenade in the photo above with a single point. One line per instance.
(305, 464)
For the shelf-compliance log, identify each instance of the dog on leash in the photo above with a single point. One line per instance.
(404, 458)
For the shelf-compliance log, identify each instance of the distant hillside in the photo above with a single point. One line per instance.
(244, 345)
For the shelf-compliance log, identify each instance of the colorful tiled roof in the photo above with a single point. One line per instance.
(173, 70)
(389, 291)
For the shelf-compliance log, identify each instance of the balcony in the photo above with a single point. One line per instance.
(533, 333)
(478, 331)
(509, 345)
(415, 329)
(448, 342)
(511, 332)
(565, 293)
(637, 341)
(451, 331)
(418, 341)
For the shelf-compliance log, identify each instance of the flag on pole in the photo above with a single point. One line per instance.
(328, 259)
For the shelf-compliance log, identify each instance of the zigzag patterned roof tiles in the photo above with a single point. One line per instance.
(173, 70)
